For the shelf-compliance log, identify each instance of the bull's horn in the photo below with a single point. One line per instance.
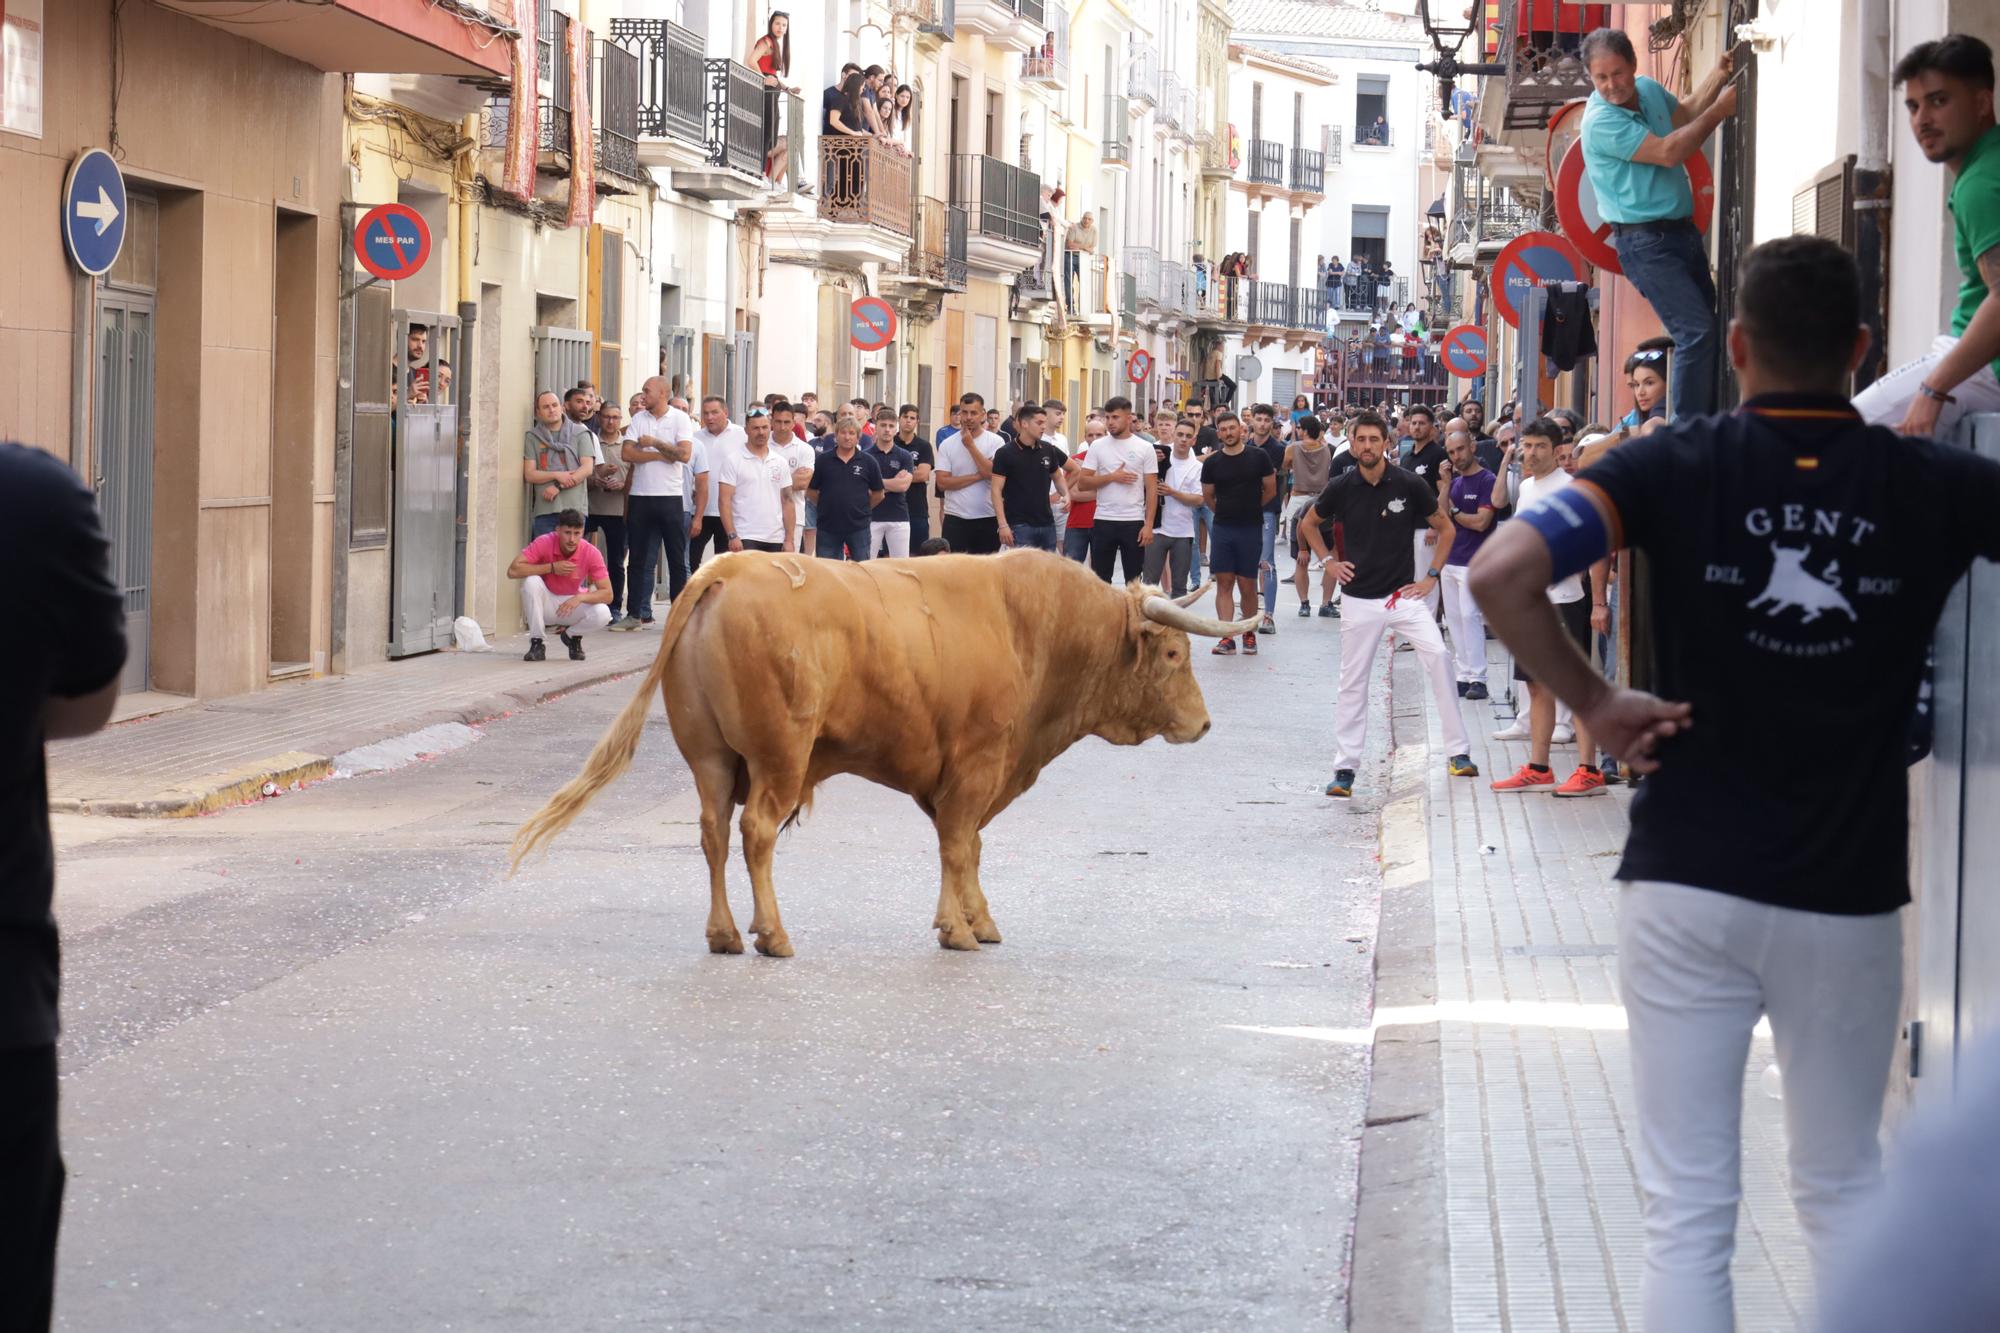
(1196, 595)
(1165, 611)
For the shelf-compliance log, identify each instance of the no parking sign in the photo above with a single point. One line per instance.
(1530, 260)
(392, 242)
(872, 323)
(1464, 351)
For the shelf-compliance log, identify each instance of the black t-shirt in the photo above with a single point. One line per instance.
(919, 494)
(892, 464)
(844, 486)
(831, 101)
(1239, 485)
(1797, 565)
(1028, 472)
(1429, 461)
(55, 547)
(1376, 525)
(1206, 440)
(1274, 449)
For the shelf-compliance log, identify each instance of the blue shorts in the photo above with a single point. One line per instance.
(1235, 549)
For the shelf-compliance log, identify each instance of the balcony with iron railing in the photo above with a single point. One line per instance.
(864, 181)
(1143, 263)
(673, 80)
(1217, 300)
(1128, 300)
(1171, 102)
(1032, 286)
(1016, 24)
(1308, 172)
(616, 99)
(1269, 305)
(1333, 137)
(1003, 211)
(1266, 164)
(1308, 310)
(1544, 70)
(1142, 76)
(736, 116)
(1117, 146)
(1085, 296)
(937, 256)
(933, 18)
(1176, 289)
(1047, 65)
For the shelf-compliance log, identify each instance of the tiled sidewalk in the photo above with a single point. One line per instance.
(1542, 1205)
(205, 756)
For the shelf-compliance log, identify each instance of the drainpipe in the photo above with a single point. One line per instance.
(1872, 181)
(468, 322)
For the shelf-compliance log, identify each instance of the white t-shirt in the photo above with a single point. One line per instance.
(800, 454)
(1536, 488)
(968, 501)
(1183, 474)
(715, 448)
(757, 504)
(1124, 501)
(653, 477)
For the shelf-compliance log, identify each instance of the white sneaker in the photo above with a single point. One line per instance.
(1517, 730)
(1563, 735)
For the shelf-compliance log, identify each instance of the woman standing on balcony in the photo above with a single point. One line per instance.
(901, 122)
(772, 55)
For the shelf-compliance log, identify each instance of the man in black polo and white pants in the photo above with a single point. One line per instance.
(1811, 572)
(1379, 507)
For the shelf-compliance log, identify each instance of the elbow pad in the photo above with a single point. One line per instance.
(1576, 533)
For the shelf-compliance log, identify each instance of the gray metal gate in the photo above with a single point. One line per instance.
(562, 357)
(423, 495)
(1958, 916)
(123, 459)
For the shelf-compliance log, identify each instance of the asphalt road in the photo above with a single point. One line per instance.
(327, 1069)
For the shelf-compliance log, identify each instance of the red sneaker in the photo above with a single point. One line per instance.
(1250, 644)
(1583, 782)
(1527, 779)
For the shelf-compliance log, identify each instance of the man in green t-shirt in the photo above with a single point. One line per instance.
(1948, 91)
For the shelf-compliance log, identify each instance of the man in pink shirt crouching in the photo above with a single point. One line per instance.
(564, 583)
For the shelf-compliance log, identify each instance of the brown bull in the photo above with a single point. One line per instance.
(954, 679)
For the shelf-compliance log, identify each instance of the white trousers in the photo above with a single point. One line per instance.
(538, 608)
(1426, 556)
(1468, 625)
(894, 536)
(1884, 402)
(1362, 624)
(1697, 969)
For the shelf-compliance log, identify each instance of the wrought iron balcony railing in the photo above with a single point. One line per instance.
(617, 102)
(737, 114)
(1543, 67)
(673, 80)
(1142, 82)
(864, 180)
(1001, 200)
(938, 254)
(1267, 162)
(1048, 64)
(1142, 262)
(1117, 130)
(1308, 171)
(1375, 136)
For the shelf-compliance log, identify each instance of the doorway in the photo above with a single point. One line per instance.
(122, 437)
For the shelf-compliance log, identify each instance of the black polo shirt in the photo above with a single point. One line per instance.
(844, 487)
(918, 497)
(1027, 472)
(892, 463)
(1429, 462)
(1797, 562)
(1376, 525)
(1206, 440)
(55, 547)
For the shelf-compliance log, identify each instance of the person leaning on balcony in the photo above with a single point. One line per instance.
(834, 101)
(1080, 240)
(772, 55)
(1636, 142)
(902, 122)
(1948, 91)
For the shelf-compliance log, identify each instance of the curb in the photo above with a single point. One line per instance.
(295, 768)
(1401, 1276)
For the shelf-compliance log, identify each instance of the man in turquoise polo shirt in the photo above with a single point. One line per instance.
(1948, 90)
(1637, 138)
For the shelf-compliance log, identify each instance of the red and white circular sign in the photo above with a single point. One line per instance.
(1576, 206)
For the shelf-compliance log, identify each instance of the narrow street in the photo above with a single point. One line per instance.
(327, 1069)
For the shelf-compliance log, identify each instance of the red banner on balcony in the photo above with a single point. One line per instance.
(522, 105)
(582, 157)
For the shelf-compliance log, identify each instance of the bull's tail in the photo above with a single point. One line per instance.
(615, 751)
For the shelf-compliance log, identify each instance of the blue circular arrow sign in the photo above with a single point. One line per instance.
(872, 323)
(93, 211)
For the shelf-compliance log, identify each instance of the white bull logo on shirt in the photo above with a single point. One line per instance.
(1792, 584)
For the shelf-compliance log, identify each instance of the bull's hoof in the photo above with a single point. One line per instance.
(774, 945)
(957, 937)
(985, 931)
(725, 943)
